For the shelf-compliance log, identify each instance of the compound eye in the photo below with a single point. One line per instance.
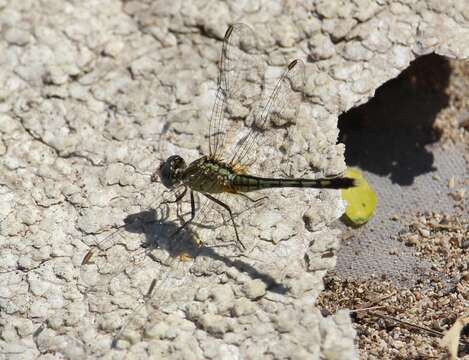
(178, 161)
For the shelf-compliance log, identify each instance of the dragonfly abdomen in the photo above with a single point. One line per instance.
(246, 183)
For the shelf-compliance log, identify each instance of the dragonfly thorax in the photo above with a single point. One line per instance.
(170, 171)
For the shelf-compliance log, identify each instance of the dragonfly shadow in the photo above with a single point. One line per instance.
(160, 233)
(271, 283)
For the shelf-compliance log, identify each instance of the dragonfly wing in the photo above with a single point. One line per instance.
(279, 110)
(238, 81)
(168, 291)
(124, 251)
(160, 297)
(104, 260)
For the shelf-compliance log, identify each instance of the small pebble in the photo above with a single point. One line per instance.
(451, 182)
(412, 240)
(254, 289)
(214, 324)
(424, 232)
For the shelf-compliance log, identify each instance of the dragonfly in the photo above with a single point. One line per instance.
(237, 134)
(216, 173)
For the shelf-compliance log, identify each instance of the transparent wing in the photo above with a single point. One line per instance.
(146, 236)
(171, 288)
(118, 270)
(125, 250)
(238, 84)
(279, 110)
(173, 275)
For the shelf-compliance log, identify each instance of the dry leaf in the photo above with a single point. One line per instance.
(451, 339)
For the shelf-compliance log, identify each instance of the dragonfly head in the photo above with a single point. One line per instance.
(170, 171)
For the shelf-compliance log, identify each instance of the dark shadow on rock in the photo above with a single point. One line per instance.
(160, 233)
(388, 135)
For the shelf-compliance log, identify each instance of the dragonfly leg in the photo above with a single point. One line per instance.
(192, 213)
(177, 200)
(178, 197)
(227, 208)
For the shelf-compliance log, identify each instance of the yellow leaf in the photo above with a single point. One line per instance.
(361, 199)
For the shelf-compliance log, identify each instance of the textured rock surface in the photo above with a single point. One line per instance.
(86, 92)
